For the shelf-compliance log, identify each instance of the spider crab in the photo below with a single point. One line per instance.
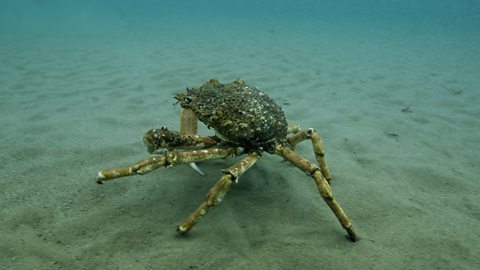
(247, 122)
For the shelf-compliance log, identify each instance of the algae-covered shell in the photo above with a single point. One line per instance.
(240, 114)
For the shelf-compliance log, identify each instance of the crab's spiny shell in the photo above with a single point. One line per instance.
(242, 115)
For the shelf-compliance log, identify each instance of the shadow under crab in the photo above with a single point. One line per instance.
(247, 122)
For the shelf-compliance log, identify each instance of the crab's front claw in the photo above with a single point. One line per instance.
(163, 138)
(149, 141)
(159, 138)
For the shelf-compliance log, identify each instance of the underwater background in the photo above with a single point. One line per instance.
(392, 87)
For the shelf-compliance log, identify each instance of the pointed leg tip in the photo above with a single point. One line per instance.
(99, 178)
(352, 236)
(182, 231)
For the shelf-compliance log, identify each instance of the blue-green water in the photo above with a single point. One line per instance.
(460, 17)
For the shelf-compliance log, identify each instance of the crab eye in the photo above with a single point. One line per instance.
(187, 99)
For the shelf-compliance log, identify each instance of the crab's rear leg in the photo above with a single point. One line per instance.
(168, 159)
(293, 128)
(318, 149)
(322, 185)
(218, 191)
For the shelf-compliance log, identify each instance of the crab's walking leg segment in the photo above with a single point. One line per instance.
(293, 128)
(169, 159)
(318, 148)
(322, 185)
(188, 122)
(189, 126)
(218, 191)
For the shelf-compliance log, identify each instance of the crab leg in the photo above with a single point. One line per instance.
(318, 148)
(322, 185)
(218, 191)
(293, 128)
(189, 126)
(188, 122)
(169, 159)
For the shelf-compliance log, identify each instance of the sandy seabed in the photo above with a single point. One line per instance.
(399, 119)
